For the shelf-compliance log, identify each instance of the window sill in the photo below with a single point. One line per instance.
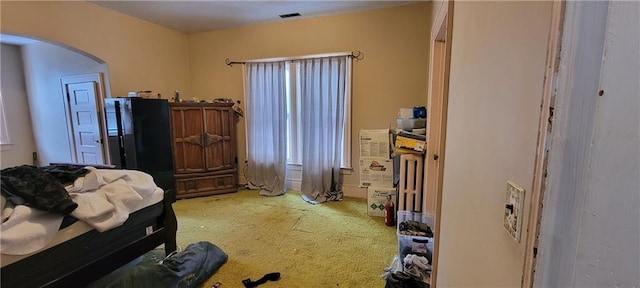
(298, 167)
(346, 170)
(6, 146)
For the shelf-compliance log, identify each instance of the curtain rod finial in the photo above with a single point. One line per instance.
(357, 55)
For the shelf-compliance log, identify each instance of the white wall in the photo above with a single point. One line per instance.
(497, 66)
(590, 233)
(609, 246)
(436, 5)
(14, 97)
(44, 65)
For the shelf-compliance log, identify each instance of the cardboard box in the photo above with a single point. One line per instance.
(410, 143)
(374, 143)
(376, 172)
(376, 197)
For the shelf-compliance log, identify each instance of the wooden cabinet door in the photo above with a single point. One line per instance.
(219, 144)
(188, 139)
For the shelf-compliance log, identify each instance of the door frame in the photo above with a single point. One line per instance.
(440, 53)
(98, 79)
(545, 125)
(582, 46)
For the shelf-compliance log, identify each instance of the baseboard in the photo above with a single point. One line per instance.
(349, 190)
(293, 184)
(354, 191)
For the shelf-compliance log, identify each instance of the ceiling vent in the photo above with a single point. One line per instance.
(289, 15)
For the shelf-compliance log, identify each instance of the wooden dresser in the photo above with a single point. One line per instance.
(204, 148)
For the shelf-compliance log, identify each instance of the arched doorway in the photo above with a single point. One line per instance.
(45, 65)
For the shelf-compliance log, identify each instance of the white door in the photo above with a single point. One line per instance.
(85, 122)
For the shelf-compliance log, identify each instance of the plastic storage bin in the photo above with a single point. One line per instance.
(417, 244)
(411, 123)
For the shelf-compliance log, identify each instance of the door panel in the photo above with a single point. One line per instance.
(218, 144)
(85, 122)
(433, 168)
(188, 135)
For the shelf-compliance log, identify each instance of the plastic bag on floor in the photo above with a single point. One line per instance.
(188, 268)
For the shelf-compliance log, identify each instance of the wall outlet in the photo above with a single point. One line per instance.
(513, 210)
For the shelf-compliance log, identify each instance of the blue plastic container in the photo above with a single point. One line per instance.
(419, 112)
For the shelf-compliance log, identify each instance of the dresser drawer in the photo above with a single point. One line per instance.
(205, 185)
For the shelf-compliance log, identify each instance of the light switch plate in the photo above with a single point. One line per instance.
(513, 210)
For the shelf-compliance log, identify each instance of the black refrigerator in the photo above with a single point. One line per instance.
(139, 138)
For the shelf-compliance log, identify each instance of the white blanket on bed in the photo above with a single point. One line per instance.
(105, 199)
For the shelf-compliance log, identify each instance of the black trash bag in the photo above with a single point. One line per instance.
(400, 279)
(186, 269)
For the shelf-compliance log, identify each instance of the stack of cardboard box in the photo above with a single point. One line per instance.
(376, 169)
(380, 150)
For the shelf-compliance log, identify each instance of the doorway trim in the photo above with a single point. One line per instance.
(98, 79)
(545, 125)
(439, 70)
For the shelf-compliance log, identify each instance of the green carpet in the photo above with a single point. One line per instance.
(333, 244)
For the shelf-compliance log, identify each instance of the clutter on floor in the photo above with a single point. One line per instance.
(188, 268)
(412, 266)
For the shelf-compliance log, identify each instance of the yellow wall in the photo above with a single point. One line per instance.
(140, 55)
(497, 67)
(392, 74)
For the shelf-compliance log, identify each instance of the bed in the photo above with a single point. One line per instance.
(86, 250)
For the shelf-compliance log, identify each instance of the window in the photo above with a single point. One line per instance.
(294, 117)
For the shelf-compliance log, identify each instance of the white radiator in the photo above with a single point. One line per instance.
(410, 196)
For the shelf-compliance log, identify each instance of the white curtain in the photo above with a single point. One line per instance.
(323, 115)
(266, 127)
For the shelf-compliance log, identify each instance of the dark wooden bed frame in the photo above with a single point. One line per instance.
(92, 255)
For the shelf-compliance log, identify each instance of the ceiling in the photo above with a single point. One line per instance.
(198, 16)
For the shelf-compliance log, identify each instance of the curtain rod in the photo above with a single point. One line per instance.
(356, 55)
